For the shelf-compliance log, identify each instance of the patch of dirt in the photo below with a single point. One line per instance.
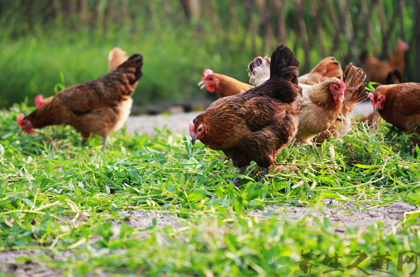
(346, 215)
(9, 265)
(177, 123)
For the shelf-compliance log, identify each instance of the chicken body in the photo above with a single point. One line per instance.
(400, 105)
(377, 71)
(256, 124)
(97, 106)
(320, 107)
(374, 117)
(259, 72)
(115, 58)
(221, 84)
(354, 93)
(320, 102)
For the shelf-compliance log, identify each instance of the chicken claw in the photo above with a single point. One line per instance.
(240, 172)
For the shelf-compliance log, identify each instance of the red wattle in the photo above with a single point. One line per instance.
(211, 88)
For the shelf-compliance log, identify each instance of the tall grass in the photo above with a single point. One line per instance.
(39, 42)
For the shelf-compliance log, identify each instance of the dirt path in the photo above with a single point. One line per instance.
(178, 123)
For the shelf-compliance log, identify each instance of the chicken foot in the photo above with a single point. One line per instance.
(265, 171)
(103, 144)
(241, 171)
(84, 140)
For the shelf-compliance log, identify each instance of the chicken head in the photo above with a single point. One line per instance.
(378, 101)
(25, 124)
(197, 132)
(209, 81)
(337, 90)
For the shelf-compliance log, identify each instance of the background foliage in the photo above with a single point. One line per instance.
(42, 39)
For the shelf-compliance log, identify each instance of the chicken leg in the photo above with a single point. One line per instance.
(265, 171)
(241, 171)
(83, 142)
(103, 144)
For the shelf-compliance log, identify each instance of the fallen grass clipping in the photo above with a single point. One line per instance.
(75, 206)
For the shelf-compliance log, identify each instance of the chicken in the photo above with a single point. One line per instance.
(374, 117)
(256, 124)
(222, 84)
(97, 106)
(399, 105)
(115, 58)
(377, 71)
(259, 72)
(354, 93)
(320, 106)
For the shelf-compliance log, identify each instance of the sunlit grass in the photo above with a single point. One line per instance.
(63, 198)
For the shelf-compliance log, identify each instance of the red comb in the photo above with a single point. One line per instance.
(20, 119)
(191, 127)
(207, 72)
(371, 96)
(38, 101)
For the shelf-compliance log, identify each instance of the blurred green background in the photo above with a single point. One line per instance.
(46, 42)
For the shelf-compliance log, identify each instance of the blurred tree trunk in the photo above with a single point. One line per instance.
(281, 9)
(186, 7)
(336, 22)
(301, 30)
(195, 8)
(414, 73)
(358, 23)
(57, 7)
(125, 13)
(249, 6)
(369, 28)
(347, 26)
(386, 52)
(84, 14)
(317, 28)
(268, 32)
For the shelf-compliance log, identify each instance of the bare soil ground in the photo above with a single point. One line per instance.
(342, 215)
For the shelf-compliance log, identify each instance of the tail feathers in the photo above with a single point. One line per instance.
(394, 77)
(283, 83)
(115, 58)
(134, 61)
(284, 64)
(354, 78)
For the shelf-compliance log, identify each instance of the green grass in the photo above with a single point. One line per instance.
(63, 198)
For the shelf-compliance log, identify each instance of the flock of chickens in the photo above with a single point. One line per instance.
(249, 122)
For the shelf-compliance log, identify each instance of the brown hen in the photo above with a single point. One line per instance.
(377, 71)
(354, 93)
(256, 124)
(399, 105)
(97, 106)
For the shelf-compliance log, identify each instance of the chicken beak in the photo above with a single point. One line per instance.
(193, 139)
(202, 84)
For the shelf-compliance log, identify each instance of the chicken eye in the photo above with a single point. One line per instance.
(200, 129)
(211, 78)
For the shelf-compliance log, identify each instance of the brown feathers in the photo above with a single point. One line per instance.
(97, 106)
(254, 125)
